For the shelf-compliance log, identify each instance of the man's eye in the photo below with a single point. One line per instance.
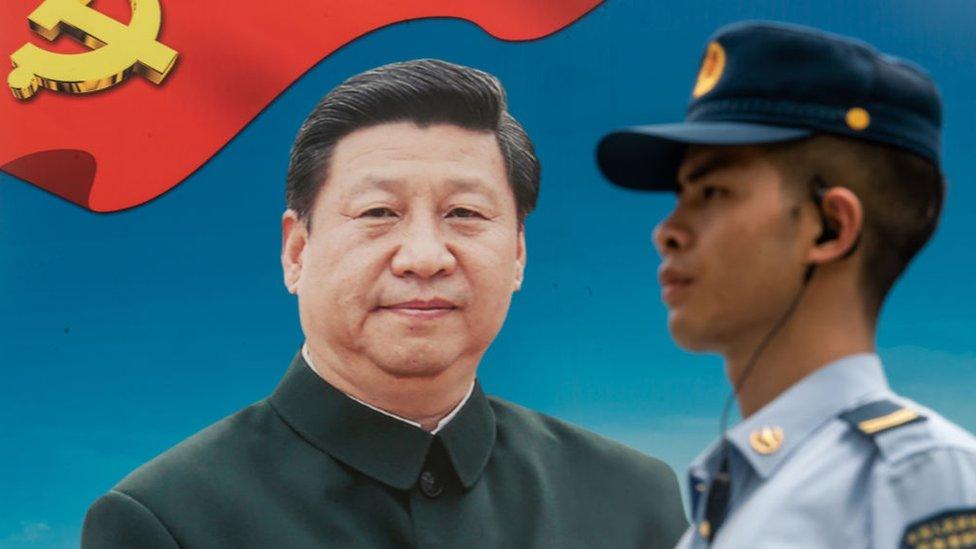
(465, 213)
(378, 213)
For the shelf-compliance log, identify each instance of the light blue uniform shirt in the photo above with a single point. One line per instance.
(825, 483)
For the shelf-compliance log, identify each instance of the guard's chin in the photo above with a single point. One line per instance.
(687, 335)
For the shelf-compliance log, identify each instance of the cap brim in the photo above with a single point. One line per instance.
(647, 157)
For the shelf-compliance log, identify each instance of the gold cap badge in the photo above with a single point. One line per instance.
(711, 70)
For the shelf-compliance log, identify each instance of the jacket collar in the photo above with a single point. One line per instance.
(377, 445)
(799, 412)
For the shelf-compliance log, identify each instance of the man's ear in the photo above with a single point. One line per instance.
(520, 259)
(294, 235)
(843, 214)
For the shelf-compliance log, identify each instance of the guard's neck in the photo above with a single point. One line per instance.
(817, 334)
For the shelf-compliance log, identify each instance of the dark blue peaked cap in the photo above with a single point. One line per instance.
(763, 82)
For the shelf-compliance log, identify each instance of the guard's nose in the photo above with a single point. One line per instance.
(670, 236)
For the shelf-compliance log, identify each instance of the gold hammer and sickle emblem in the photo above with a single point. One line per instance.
(117, 49)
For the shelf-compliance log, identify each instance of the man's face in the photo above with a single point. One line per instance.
(732, 249)
(414, 249)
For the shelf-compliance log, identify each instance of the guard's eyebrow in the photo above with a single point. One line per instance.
(717, 161)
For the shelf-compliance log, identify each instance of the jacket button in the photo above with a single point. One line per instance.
(430, 485)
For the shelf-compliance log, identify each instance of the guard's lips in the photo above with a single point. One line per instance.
(670, 276)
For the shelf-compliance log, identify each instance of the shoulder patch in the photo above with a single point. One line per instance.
(880, 416)
(955, 528)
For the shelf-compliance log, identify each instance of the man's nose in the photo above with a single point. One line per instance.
(423, 251)
(670, 236)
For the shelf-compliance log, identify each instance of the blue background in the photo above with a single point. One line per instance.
(122, 334)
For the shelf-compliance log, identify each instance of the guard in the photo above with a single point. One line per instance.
(808, 176)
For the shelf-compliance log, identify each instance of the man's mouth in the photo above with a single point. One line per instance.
(422, 308)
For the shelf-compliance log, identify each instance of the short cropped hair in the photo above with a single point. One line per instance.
(425, 92)
(901, 194)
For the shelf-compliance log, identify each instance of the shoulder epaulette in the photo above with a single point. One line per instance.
(880, 416)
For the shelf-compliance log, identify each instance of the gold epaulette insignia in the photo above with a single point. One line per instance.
(880, 416)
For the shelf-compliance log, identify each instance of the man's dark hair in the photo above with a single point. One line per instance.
(901, 194)
(425, 92)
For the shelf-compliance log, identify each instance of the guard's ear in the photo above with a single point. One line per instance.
(520, 259)
(294, 235)
(842, 221)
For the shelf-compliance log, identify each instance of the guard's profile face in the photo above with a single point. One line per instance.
(414, 248)
(732, 255)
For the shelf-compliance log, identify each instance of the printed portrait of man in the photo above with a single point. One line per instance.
(403, 240)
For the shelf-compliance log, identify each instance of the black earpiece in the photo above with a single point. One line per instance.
(828, 232)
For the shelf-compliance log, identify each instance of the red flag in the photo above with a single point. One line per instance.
(120, 147)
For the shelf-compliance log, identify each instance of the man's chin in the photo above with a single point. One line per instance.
(416, 369)
(420, 360)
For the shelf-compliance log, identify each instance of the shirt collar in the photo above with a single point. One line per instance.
(374, 443)
(799, 411)
(440, 424)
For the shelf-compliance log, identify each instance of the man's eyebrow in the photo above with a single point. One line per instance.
(714, 163)
(370, 182)
(470, 185)
(456, 184)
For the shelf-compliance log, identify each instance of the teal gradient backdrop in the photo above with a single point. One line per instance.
(122, 334)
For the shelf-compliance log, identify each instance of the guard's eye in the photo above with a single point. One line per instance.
(465, 213)
(709, 192)
(377, 213)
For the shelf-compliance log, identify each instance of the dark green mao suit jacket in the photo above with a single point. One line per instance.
(310, 467)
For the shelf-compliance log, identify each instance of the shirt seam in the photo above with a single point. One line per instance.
(295, 429)
(934, 445)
